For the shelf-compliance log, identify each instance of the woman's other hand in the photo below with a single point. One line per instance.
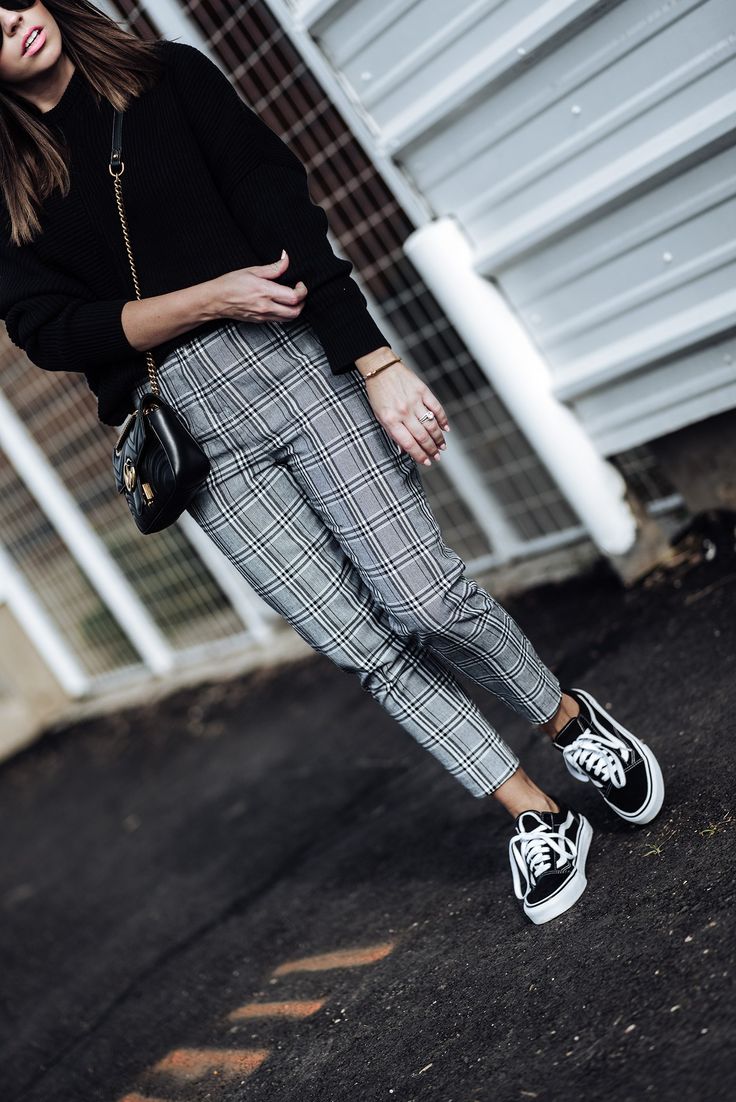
(250, 294)
(399, 399)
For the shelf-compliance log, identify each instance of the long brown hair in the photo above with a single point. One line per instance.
(118, 66)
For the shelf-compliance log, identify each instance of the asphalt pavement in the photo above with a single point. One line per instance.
(264, 889)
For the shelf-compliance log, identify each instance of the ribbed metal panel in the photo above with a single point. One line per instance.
(587, 149)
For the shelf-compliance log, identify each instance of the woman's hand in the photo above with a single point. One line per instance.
(250, 294)
(399, 399)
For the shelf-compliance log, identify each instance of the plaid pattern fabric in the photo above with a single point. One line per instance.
(327, 519)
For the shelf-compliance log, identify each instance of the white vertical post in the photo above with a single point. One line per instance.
(83, 542)
(503, 349)
(43, 633)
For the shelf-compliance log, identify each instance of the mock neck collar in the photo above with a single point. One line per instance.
(69, 97)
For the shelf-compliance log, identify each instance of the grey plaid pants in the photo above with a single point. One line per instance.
(327, 519)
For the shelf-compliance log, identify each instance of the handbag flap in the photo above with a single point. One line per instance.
(128, 448)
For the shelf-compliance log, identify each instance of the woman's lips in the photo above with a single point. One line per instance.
(36, 44)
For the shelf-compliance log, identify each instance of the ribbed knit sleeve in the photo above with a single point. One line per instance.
(266, 188)
(58, 330)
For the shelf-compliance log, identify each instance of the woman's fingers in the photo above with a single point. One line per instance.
(268, 271)
(266, 300)
(252, 294)
(433, 403)
(428, 423)
(432, 416)
(410, 444)
(431, 425)
(276, 311)
(283, 302)
(414, 439)
(424, 438)
(289, 296)
(409, 412)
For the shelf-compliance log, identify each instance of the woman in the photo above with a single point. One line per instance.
(312, 422)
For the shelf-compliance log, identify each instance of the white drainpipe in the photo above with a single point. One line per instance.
(502, 348)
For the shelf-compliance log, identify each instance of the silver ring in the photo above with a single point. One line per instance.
(428, 416)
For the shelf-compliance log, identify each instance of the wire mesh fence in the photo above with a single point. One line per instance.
(58, 412)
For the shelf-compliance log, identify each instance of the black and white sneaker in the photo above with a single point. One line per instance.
(547, 854)
(599, 749)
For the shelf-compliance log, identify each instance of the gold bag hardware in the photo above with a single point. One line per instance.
(129, 476)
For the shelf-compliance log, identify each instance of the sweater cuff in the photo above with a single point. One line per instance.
(343, 325)
(105, 327)
(92, 337)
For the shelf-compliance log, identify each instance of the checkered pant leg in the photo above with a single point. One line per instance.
(327, 520)
(262, 521)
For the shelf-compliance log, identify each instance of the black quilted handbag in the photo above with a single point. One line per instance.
(157, 463)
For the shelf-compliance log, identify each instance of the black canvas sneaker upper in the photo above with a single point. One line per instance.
(597, 748)
(547, 863)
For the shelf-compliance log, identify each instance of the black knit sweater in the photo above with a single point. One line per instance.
(208, 188)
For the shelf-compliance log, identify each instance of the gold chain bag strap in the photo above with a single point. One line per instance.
(157, 463)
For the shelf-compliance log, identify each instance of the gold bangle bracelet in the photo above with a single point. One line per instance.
(370, 374)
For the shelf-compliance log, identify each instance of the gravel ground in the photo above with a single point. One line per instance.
(278, 839)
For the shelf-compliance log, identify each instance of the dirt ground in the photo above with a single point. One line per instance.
(265, 890)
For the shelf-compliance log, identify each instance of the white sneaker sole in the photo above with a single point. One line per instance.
(573, 889)
(653, 806)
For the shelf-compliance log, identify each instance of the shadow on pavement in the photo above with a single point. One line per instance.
(264, 889)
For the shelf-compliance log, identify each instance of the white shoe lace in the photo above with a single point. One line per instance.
(532, 853)
(597, 757)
